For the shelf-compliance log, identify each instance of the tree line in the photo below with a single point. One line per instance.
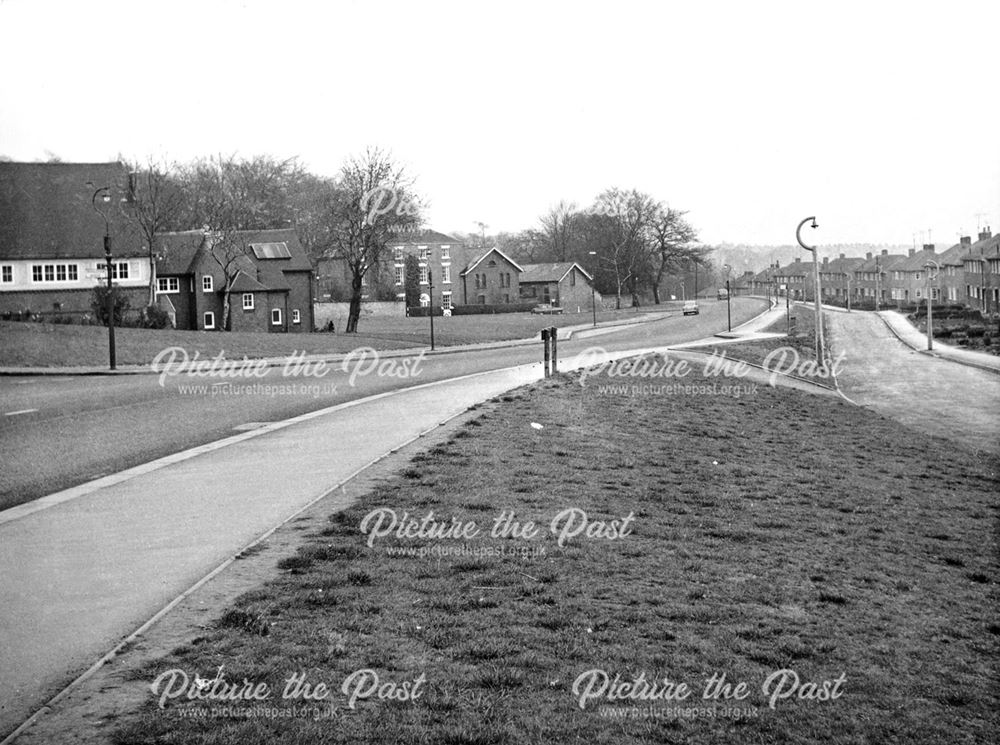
(627, 239)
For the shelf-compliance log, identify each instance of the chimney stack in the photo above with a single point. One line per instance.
(868, 256)
(912, 251)
(798, 259)
(826, 260)
(965, 240)
(885, 251)
(928, 247)
(842, 256)
(985, 235)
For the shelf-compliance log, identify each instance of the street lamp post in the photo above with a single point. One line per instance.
(930, 299)
(105, 194)
(848, 293)
(819, 307)
(729, 315)
(430, 303)
(593, 297)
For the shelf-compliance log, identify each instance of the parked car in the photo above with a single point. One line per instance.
(690, 308)
(546, 309)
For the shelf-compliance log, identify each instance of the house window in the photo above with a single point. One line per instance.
(247, 301)
(446, 300)
(296, 316)
(276, 317)
(168, 284)
(50, 273)
(6, 273)
(36, 273)
(424, 252)
(445, 252)
(446, 275)
(206, 283)
(919, 293)
(208, 320)
(119, 270)
(399, 275)
(572, 278)
(423, 275)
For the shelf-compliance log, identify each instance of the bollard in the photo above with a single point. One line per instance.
(553, 336)
(545, 343)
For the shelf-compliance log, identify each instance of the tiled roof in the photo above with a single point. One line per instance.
(46, 211)
(423, 237)
(846, 265)
(885, 261)
(245, 283)
(549, 272)
(916, 262)
(476, 259)
(176, 251)
(793, 269)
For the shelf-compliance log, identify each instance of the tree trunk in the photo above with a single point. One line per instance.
(152, 277)
(355, 311)
(656, 294)
(227, 309)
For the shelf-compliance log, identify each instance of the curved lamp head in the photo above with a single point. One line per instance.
(798, 233)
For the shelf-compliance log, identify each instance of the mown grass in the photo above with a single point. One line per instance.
(26, 344)
(778, 530)
(803, 340)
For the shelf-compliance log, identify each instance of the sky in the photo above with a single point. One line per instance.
(882, 119)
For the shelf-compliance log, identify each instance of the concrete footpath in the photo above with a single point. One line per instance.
(907, 333)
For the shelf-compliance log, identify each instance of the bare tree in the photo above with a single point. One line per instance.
(557, 228)
(153, 203)
(671, 244)
(233, 199)
(623, 219)
(373, 201)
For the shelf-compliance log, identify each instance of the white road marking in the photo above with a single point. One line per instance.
(22, 411)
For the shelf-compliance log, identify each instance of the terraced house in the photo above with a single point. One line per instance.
(908, 278)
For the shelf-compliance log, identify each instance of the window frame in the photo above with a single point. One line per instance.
(6, 274)
(208, 326)
(169, 282)
(296, 316)
(275, 319)
(248, 305)
(207, 283)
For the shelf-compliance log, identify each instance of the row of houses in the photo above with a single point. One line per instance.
(967, 273)
(52, 237)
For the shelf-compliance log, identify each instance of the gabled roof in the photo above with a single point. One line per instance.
(476, 260)
(550, 272)
(245, 283)
(915, 263)
(793, 269)
(422, 237)
(845, 265)
(46, 211)
(954, 256)
(176, 251)
(884, 261)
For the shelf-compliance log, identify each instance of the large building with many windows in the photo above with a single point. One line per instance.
(440, 258)
(52, 229)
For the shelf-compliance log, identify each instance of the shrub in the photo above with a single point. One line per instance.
(471, 310)
(156, 318)
(99, 304)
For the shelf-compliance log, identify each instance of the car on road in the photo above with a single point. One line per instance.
(546, 309)
(690, 308)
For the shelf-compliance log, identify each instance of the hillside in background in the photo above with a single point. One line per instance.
(743, 257)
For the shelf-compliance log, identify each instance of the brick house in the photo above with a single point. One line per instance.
(440, 258)
(52, 240)
(871, 276)
(793, 277)
(951, 276)
(982, 271)
(492, 278)
(272, 290)
(565, 284)
(908, 277)
(836, 277)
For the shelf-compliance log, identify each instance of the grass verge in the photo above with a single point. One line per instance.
(27, 344)
(777, 531)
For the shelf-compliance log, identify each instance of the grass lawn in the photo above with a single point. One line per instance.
(803, 341)
(25, 344)
(776, 531)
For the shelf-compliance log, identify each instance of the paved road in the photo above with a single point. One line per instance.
(75, 429)
(932, 395)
